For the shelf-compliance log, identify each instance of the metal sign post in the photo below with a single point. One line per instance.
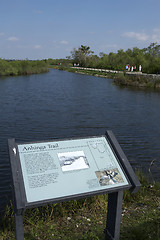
(18, 203)
(39, 167)
(19, 226)
(114, 211)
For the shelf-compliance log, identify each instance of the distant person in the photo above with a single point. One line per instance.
(129, 67)
(134, 69)
(126, 67)
(140, 68)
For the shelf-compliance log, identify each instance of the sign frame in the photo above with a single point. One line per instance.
(115, 194)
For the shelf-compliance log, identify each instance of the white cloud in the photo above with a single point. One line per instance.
(156, 30)
(12, 39)
(37, 46)
(156, 35)
(155, 38)
(138, 36)
(64, 42)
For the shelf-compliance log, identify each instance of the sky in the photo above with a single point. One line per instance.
(42, 29)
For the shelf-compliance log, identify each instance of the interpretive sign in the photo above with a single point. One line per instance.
(58, 170)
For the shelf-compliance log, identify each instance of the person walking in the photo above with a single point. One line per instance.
(134, 69)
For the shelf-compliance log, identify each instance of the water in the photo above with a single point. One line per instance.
(59, 104)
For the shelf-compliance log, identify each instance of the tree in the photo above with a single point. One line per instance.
(112, 61)
(152, 56)
(153, 50)
(93, 62)
(148, 58)
(121, 60)
(80, 56)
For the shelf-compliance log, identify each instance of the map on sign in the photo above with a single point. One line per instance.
(69, 167)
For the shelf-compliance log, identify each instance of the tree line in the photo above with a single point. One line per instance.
(22, 67)
(148, 58)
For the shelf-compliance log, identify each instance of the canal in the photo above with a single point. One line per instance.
(60, 104)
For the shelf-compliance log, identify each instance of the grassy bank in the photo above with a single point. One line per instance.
(22, 67)
(95, 72)
(86, 219)
(150, 81)
(138, 80)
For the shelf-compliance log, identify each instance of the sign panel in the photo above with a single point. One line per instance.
(69, 167)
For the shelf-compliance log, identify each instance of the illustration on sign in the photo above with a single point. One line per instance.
(70, 161)
(109, 177)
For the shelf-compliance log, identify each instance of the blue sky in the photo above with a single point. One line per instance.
(39, 29)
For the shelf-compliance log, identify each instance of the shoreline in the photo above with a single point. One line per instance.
(121, 78)
(22, 67)
(140, 80)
